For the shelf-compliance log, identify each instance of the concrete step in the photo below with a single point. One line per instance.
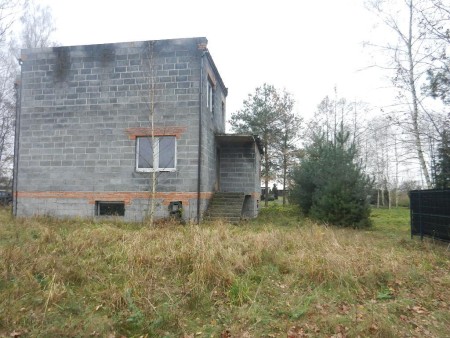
(223, 214)
(228, 194)
(221, 206)
(226, 206)
(233, 220)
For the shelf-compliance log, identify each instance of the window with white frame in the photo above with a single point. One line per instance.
(210, 95)
(158, 157)
(223, 112)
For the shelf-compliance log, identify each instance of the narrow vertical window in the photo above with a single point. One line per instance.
(144, 153)
(210, 95)
(223, 112)
(166, 152)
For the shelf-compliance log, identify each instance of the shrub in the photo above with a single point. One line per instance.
(330, 186)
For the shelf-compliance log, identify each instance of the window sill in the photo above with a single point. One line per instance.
(157, 170)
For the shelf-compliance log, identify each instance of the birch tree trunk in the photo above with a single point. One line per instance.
(410, 61)
(152, 130)
(266, 168)
(378, 198)
(415, 105)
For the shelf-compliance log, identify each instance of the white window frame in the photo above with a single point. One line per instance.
(156, 155)
(210, 95)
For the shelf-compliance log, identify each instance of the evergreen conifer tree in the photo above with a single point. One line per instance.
(330, 186)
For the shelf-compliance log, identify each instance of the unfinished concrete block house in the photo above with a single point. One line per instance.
(86, 147)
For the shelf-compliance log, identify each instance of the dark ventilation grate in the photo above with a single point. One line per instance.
(109, 208)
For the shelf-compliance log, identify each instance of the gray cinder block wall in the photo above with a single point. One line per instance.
(81, 110)
(240, 172)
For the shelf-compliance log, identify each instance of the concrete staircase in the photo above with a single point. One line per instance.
(226, 206)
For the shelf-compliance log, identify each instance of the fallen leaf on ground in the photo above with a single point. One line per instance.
(225, 334)
(296, 332)
(419, 309)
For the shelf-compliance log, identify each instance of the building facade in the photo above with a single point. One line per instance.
(96, 123)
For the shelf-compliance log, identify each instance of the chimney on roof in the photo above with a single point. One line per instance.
(202, 44)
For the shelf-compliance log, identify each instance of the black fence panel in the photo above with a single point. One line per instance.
(430, 213)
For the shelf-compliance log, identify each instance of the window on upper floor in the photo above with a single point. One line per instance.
(223, 111)
(210, 95)
(159, 157)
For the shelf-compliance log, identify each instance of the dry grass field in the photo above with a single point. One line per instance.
(280, 275)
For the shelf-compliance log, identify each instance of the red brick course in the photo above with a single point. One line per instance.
(125, 196)
(158, 131)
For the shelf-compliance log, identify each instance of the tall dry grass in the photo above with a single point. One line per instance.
(76, 277)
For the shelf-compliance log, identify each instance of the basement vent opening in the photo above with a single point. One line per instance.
(109, 208)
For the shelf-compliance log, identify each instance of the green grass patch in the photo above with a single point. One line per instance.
(395, 221)
(278, 275)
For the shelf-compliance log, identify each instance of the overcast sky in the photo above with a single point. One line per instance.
(306, 47)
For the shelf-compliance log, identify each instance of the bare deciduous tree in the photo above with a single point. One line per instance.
(286, 144)
(409, 60)
(37, 26)
(7, 16)
(151, 117)
(7, 95)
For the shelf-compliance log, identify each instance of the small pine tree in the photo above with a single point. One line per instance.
(330, 186)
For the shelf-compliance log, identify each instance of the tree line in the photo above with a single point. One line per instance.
(349, 150)
(23, 24)
(384, 149)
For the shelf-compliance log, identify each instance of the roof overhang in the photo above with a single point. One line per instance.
(240, 139)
